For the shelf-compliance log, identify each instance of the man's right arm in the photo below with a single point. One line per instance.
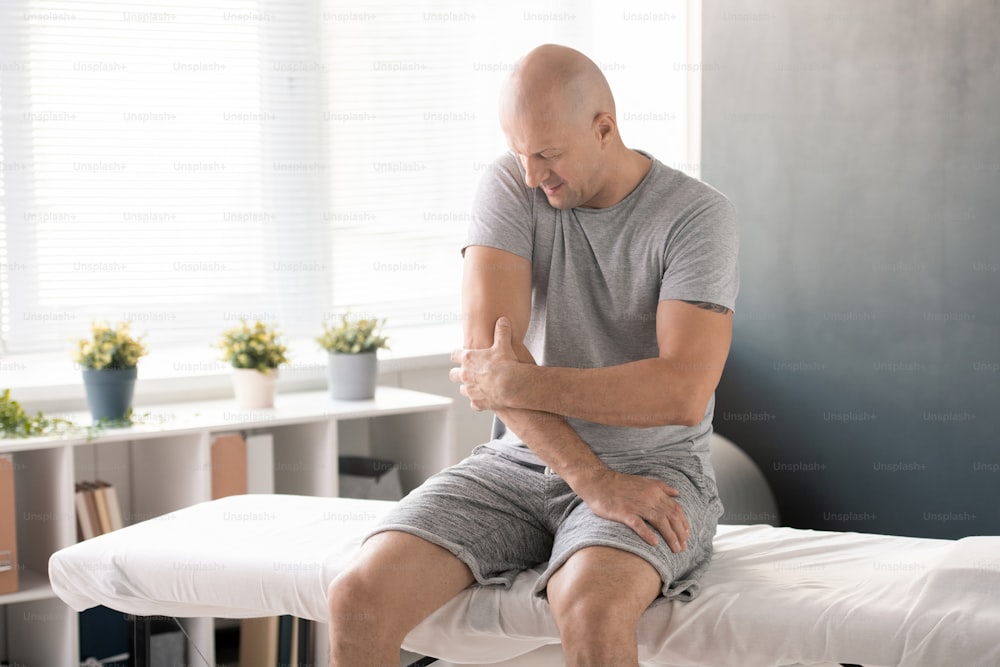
(497, 283)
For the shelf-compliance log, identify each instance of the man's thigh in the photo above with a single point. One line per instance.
(678, 572)
(395, 581)
(486, 511)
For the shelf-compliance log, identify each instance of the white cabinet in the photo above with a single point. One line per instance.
(163, 463)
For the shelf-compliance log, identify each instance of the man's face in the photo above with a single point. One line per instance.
(559, 154)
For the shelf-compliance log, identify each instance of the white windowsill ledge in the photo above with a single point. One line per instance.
(52, 383)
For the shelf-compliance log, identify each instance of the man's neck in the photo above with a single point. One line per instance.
(628, 170)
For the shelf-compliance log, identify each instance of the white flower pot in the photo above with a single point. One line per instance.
(351, 377)
(253, 389)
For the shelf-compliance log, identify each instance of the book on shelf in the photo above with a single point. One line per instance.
(90, 504)
(282, 641)
(101, 502)
(115, 516)
(97, 509)
(258, 641)
(8, 527)
(85, 528)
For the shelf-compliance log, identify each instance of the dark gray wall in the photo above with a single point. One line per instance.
(860, 142)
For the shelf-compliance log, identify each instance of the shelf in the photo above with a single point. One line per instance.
(155, 421)
(163, 462)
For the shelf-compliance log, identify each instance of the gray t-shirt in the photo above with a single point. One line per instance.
(597, 277)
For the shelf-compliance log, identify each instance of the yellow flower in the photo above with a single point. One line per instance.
(257, 346)
(110, 346)
(353, 336)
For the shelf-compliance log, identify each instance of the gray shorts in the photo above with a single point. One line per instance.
(500, 517)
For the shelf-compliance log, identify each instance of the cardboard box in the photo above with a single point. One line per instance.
(8, 527)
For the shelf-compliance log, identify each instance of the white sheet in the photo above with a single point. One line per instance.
(772, 596)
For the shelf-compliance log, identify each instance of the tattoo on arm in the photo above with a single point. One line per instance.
(714, 307)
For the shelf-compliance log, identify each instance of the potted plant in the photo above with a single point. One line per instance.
(16, 423)
(352, 360)
(109, 361)
(255, 352)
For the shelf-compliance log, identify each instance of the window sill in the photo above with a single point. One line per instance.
(52, 382)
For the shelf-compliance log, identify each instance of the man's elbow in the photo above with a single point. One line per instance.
(684, 413)
(677, 418)
(692, 418)
(697, 406)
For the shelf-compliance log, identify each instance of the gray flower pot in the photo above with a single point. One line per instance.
(109, 391)
(351, 377)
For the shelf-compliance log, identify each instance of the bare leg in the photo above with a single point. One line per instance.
(597, 597)
(397, 580)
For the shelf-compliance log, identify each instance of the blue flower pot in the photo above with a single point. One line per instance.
(109, 391)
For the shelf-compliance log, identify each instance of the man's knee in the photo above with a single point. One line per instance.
(346, 591)
(373, 579)
(396, 580)
(356, 606)
(591, 619)
(600, 593)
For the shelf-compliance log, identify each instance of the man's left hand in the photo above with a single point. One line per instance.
(485, 375)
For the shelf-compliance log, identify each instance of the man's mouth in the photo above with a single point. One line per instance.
(552, 190)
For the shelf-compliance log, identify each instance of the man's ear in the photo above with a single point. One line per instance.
(604, 127)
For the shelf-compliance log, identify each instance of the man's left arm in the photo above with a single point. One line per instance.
(671, 389)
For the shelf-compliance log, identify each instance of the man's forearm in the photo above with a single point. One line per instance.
(672, 388)
(650, 392)
(555, 442)
(636, 501)
(548, 435)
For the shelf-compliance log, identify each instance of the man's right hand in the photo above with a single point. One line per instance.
(638, 502)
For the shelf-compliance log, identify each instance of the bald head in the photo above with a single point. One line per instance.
(554, 83)
(558, 114)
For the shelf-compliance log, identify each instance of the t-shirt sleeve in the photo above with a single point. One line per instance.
(501, 210)
(701, 261)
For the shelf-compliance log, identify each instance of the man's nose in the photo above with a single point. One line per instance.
(534, 172)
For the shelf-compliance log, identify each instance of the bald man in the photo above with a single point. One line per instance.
(598, 293)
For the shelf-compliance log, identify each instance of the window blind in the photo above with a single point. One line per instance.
(162, 145)
(5, 266)
(194, 163)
